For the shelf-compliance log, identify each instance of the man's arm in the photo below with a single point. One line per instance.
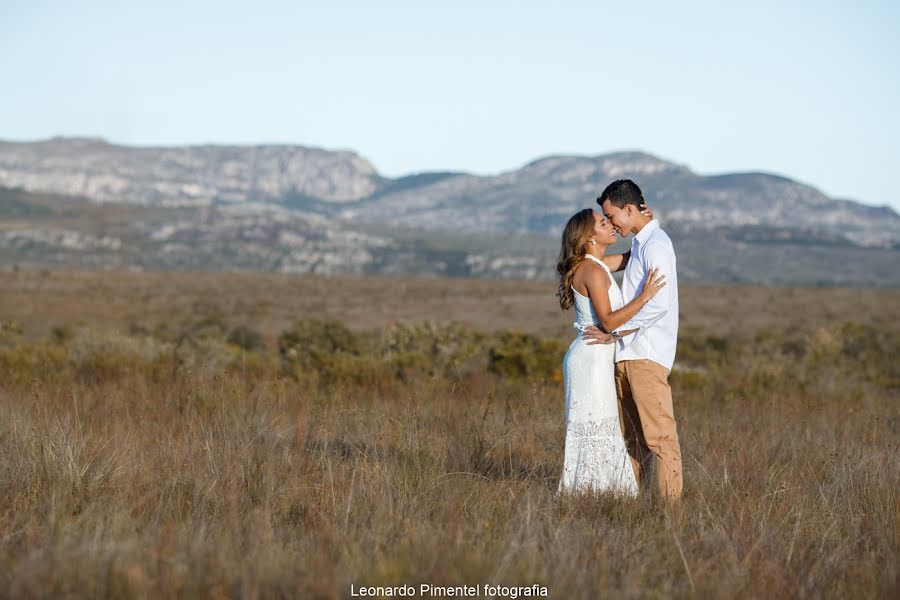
(655, 255)
(598, 336)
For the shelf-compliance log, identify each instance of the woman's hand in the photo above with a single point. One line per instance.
(646, 211)
(655, 282)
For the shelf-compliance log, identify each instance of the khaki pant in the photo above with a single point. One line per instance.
(648, 422)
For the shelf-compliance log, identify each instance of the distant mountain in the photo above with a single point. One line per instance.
(85, 202)
(184, 176)
(539, 197)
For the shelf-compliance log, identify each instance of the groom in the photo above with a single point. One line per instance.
(644, 359)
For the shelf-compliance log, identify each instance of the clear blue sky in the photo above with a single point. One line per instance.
(809, 90)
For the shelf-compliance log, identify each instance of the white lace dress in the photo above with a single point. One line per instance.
(595, 455)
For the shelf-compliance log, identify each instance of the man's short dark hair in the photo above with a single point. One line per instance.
(622, 192)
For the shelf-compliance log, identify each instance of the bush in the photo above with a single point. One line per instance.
(700, 349)
(516, 354)
(311, 340)
(246, 338)
(433, 349)
(10, 329)
(24, 362)
(327, 349)
(62, 334)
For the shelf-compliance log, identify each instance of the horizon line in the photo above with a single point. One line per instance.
(167, 146)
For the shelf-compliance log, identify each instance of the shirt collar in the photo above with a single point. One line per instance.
(646, 232)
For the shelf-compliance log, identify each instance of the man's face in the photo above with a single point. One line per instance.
(619, 217)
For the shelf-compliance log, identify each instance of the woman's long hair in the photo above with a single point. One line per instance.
(575, 238)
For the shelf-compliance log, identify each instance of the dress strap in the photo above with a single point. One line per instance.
(596, 260)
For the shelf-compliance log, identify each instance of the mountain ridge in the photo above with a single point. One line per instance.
(616, 154)
(294, 208)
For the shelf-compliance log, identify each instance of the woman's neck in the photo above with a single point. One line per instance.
(597, 250)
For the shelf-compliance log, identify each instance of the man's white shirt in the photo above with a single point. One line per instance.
(657, 321)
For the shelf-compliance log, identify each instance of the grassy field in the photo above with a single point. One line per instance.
(236, 435)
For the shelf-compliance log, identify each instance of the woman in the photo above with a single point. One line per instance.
(595, 455)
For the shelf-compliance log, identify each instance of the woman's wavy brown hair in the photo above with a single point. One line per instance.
(575, 237)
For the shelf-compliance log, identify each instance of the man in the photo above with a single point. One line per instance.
(644, 359)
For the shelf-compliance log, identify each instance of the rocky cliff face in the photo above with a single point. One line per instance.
(184, 176)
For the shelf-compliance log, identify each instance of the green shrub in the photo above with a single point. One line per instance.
(246, 338)
(327, 349)
(697, 348)
(515, 354)
(687, 379)
(309, 337)
(433, 349)
(104, 366)
(62, 333)
(10, 328)
(26, 361)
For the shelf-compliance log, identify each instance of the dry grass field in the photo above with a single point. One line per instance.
(259, 436)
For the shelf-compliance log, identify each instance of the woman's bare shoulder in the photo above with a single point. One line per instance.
(589, 273)
(595, 274)
(585, 269)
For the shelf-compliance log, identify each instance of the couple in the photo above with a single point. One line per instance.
(618, 402)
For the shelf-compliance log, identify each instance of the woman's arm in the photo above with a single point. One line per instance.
(616, 262)
(598, 282)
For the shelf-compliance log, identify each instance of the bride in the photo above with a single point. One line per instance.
(595, 455)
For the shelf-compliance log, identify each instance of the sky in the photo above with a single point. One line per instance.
(808, 90)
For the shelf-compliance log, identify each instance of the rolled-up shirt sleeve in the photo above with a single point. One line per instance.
(655, 255)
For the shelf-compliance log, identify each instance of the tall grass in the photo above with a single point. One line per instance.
(193, 461)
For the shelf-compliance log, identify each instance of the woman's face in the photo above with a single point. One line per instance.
(603, 230)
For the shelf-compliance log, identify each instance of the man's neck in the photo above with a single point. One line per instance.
(641, 223)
